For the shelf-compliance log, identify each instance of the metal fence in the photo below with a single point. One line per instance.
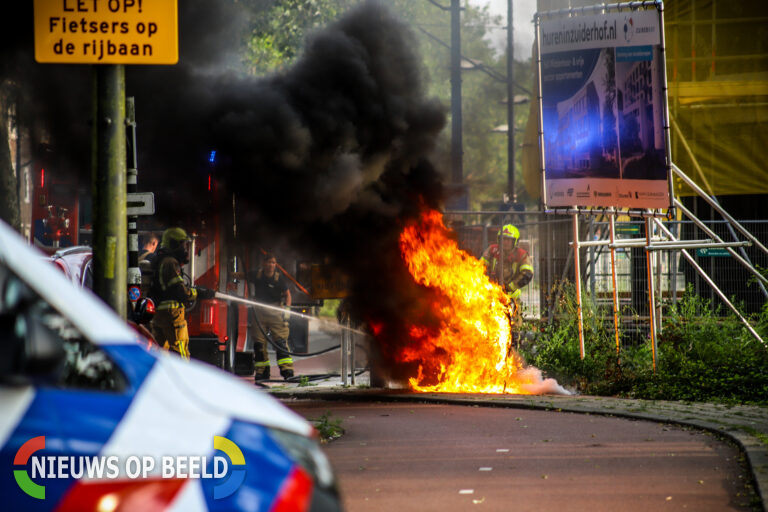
(547, 238)
(673, 273)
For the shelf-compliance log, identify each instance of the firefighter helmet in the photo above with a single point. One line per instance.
(173, 238)
(176, 242)
(510, 231)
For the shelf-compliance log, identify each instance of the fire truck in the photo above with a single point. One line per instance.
(219, 259)
(218, 328)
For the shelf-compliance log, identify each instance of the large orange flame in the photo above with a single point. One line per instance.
(471, 349)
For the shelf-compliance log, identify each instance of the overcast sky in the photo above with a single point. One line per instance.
(523, 27)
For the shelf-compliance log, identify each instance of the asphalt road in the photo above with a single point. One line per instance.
(425, 457)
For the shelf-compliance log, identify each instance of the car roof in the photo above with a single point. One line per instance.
(92, 317)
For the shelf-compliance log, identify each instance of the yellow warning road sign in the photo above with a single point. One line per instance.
(106, 31)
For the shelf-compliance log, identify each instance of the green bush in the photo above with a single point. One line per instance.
(703, 355)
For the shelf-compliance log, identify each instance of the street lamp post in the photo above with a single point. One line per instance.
(457, 171)
(510, 107)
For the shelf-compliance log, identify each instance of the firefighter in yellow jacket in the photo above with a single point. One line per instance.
(517, 267)
(171, 294)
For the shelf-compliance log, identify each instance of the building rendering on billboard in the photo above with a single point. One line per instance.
(603, 106)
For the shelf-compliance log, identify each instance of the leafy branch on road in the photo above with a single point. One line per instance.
(328, 428)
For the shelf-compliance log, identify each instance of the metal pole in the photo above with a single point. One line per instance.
(134, 274)
(351, 336)
(591, 255)
(109, 189)
(651, 306)
(542, 159)
(674, 265)
(711, 283)
(550, 284)
(577, 280)
(665, 110)
(660, 286)
(344, 357)
(510, 106)
(457, 172)
(615, 291)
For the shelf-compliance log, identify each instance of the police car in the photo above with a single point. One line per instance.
(92, 420)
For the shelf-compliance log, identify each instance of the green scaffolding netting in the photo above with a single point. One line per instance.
(717, 73)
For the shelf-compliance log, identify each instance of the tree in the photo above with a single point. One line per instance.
(277, 35)
(276, 39)
(483, 93)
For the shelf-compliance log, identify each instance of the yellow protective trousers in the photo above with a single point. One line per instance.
(273, 322)
(169, 327)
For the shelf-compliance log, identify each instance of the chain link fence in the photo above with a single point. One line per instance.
(547, 238)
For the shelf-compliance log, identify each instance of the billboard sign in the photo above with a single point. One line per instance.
(603, 106)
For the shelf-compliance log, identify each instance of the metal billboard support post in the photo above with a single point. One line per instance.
(665, 110)
(651, 302)
(351, 338)
(660, 287)
(540, 99)
(615, 291)
(577, 279)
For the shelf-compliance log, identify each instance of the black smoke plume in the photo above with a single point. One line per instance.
(332, 155)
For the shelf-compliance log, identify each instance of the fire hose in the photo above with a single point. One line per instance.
(268, 335)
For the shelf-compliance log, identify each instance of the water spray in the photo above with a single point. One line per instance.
(235, 298)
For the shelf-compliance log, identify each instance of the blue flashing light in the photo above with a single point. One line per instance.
(212, 156)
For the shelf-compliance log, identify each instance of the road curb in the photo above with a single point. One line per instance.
(746, 426)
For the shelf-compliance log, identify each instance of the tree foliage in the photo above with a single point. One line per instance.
(277, 34)
(484, 91)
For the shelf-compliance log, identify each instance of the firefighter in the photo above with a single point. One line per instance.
(171, 294)
(269, 287)
(518, 270)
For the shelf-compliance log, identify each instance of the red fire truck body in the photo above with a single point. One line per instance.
(217, 328)
(55, 210)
